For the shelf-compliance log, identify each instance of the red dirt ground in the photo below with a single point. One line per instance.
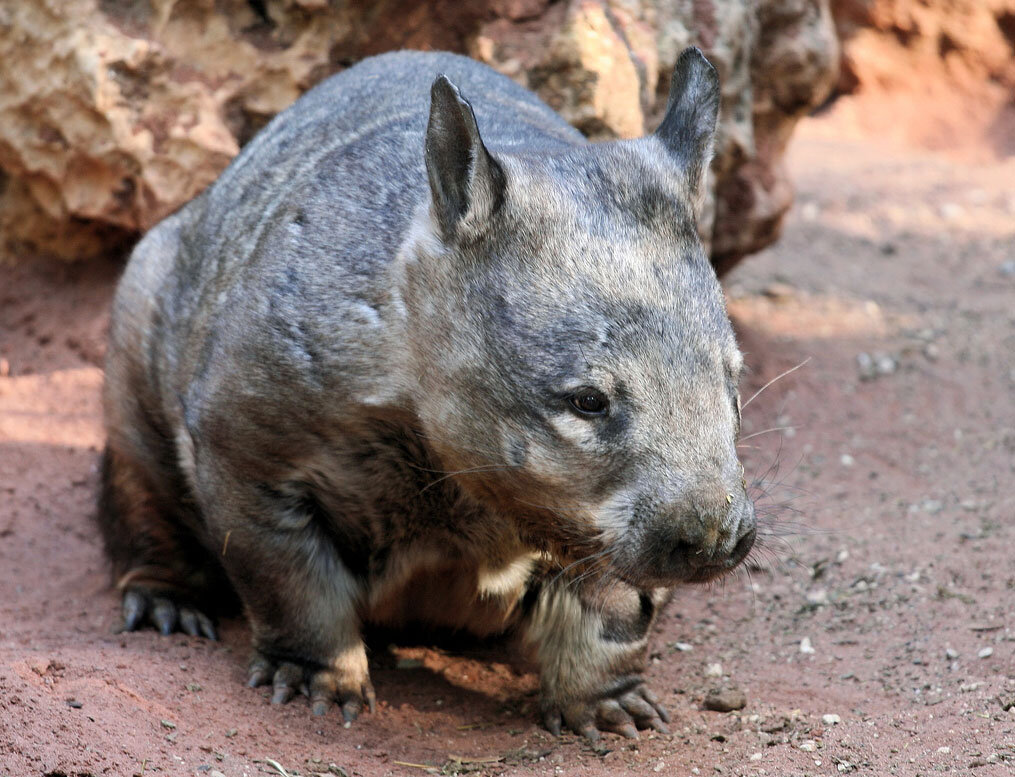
(893, 561)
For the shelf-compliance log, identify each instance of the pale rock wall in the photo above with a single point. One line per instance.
(115, 112)
(935, 73)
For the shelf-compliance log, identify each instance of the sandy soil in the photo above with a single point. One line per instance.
(883, 594)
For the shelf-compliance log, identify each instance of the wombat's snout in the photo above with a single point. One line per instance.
(707, 533)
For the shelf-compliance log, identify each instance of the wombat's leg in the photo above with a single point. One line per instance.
(283, 557)
(590, 646)
(155, 562)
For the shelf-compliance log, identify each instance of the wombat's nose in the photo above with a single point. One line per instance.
(713, 536)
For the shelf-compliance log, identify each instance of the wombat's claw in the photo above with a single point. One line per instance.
(322, 686)
(164, 614)
(637, 708)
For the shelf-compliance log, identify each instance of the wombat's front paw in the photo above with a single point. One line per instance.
(623, 710)
(345, 681)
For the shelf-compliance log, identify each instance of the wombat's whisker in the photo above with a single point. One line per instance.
(765, 431)
(780, 376)
(468, 471)
(457, 445)
(586, 559)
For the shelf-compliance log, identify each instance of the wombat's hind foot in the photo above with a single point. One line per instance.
(165, 612)
(622, 713)
(345, 681)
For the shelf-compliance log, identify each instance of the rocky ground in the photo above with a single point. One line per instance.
(872, 632)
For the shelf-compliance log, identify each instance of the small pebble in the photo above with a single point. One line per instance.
(725, 700)
(846, 460)
(756, 756)
(885, 364)
(818, 598)
(659, 766)
(683, 647)
(951, 654)
(808, 745)
(877, 365)
(865, 366)
(944, 750)
(831, 719)
(713, 670)
(986, 652)
(75, 704)
(806, 646)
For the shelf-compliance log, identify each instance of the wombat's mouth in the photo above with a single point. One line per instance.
(682, 564)
(707, 572)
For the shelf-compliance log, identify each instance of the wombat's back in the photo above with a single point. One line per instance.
(352, 148)
(314, 209)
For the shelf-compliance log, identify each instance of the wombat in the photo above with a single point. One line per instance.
(408, 364)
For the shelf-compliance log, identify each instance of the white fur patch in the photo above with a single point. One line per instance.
(505, 581)
(185, 455)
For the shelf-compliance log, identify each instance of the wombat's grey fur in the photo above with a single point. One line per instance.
(387, 371)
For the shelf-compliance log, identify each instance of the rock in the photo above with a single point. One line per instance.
(830, 719)
(808, 746)
(725, 700)
(865, 366)
(880, 364)
(713, 670)
(118, 113)
(774, 724)
(986, 652)
(806, 647)
(936, 72)
(817, 598)
(886, 364)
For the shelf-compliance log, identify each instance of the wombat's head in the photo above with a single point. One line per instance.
(574, 356)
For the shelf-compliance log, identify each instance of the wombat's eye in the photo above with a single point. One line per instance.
(589, 401)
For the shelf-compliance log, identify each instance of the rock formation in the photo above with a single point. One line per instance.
(939, 73)
(115, 112)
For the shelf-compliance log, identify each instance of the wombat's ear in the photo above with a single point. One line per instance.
(688, 128)
(466, 182)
